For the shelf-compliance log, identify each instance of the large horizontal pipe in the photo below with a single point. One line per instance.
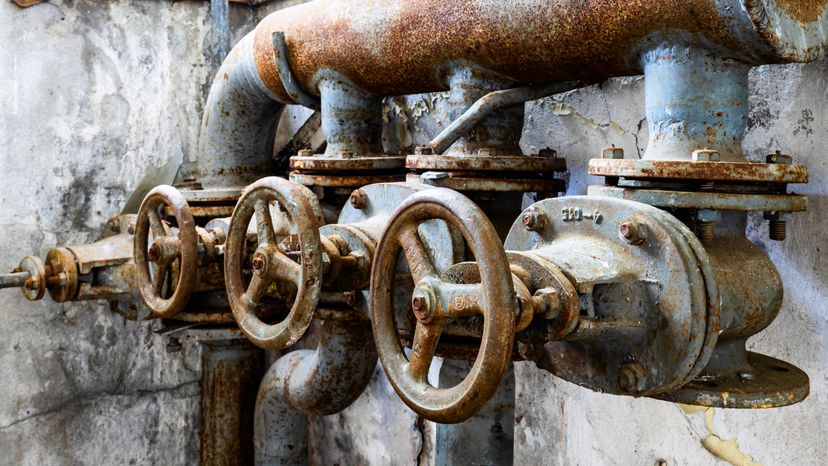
(395, 47)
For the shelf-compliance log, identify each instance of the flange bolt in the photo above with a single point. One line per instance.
(632, 378)
(533, 220)
(632, 233)
(358, 199)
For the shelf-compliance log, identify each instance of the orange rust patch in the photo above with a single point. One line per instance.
(805, 11)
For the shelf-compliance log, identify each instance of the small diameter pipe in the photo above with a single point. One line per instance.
(490, 103)
(321, 382)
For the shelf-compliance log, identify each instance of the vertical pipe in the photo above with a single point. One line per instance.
(695, 100)
(231, 371)
(487, 438)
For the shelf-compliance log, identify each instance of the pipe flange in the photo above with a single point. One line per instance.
(322, 164)
(487, 163)
(670, 199)
(769, 383)
(460, 181)
(342, 181)
(741, 172)
(61, 263)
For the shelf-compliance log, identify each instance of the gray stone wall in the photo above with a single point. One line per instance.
(94, 93)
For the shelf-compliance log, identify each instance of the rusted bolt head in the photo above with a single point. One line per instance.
(258, 263)
(533, 220)
(421, 305)
(423, 150)
(706, 155)
(345, 154)
(612, 152)
(632, 378)
(305, 153)
(632, 232)
(153, 253)
(357, 199)
(779, 158)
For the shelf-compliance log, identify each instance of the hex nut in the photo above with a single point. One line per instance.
(632, 378)
(423, 150)
(779, 158)
(706, 155)
(612, 152)
(305, 153)
(708, 215)
(632, 232)
(358, 199)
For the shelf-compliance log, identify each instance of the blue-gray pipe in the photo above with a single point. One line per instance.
(321, 382)
(239, 123)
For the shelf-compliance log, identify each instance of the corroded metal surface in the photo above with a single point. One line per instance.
(514, 163)
(320, 382)
(172, 254)
(669, 199)
(231, 371)
(270, 264)
(495, 293)
(461, 181)
(538, 41)
(629, 286)
(348, 180)
(710, 171)
(318, 163)
(766, 383)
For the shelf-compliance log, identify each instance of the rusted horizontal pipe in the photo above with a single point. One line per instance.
(320, 382)
(396, 47)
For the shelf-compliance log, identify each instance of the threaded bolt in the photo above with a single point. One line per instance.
(778, 230)
(705, 231)
(631, 232)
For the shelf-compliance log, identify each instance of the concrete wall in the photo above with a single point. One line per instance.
(95, 92)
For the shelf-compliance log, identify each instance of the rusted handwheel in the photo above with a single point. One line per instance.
(166, 268)
(437, 300)
(270, 263)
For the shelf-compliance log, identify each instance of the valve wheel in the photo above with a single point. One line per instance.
(436, 300)
(166, 268)
(270, 263)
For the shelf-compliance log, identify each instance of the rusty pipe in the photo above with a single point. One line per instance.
(320, 382)
(396, 47)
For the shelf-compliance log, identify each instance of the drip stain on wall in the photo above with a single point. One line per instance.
(724, 449)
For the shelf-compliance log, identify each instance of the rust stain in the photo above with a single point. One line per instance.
(805, 11)
(394, 51)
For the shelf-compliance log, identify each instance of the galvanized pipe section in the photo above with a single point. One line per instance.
(239, 123)
(320, 382)
(351, 120)
(695, 100)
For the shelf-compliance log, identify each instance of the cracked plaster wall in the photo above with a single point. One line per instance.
(96, 91)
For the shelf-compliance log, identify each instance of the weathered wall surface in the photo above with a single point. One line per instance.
(95, 92)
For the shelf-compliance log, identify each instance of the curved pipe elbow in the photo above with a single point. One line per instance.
(239, 122)
(320, 382)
